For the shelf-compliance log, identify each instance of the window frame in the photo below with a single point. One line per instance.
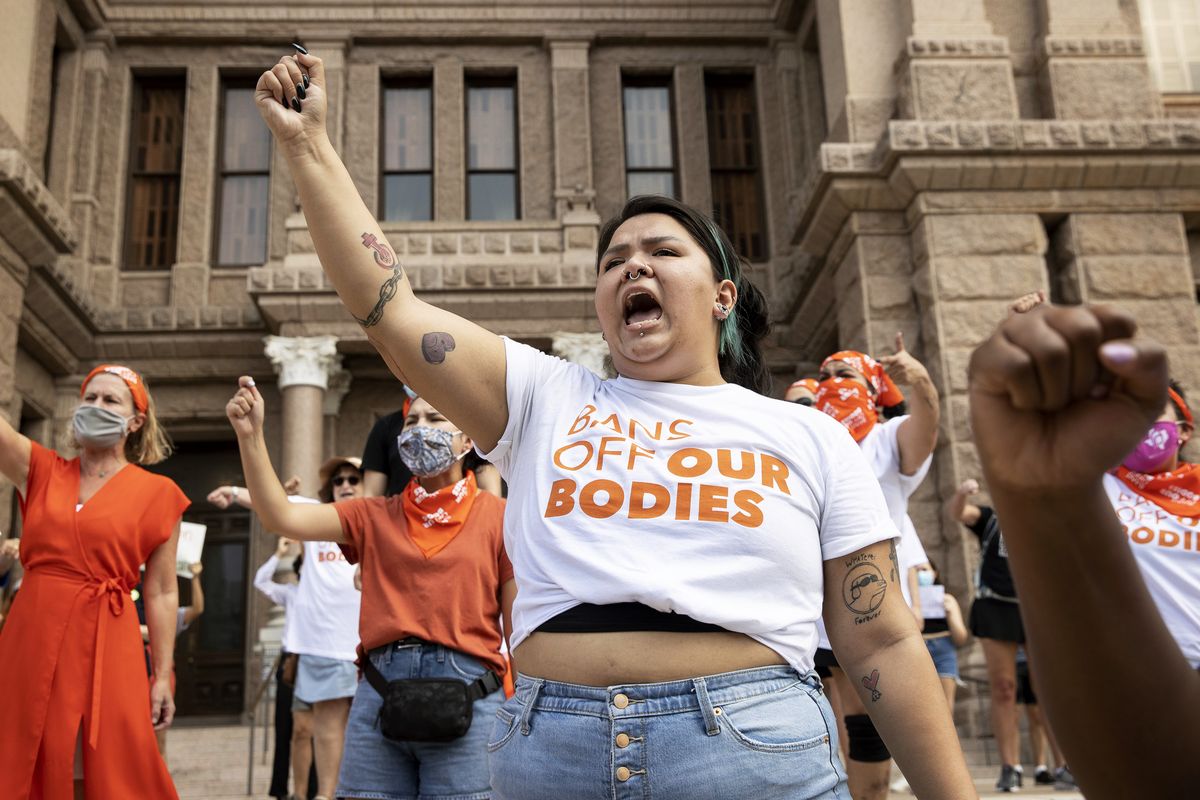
(235, 80)
(1151, 20)
(748, 81)
(492, 81)
(402, 81)
(141, 81)
(651, 80)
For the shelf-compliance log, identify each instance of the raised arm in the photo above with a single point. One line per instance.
(193, 611)
(957, 507)
(1058, 396)
(878, 645)
(918, 434)
(456, 365)
(15, 450)
(308, 521)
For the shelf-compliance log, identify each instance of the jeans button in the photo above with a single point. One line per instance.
(622, 740)
(623, 774)
(621, 701)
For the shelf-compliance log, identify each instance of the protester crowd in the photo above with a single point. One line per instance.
(705, 592)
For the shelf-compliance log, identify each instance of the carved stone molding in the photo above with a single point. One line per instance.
(991, 47)
(1092, 46)
(303, 360)
(586, 349)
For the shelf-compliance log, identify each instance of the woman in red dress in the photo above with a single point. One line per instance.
(79, 715)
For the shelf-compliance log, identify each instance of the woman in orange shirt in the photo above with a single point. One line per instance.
(79, 714)
(435, 579)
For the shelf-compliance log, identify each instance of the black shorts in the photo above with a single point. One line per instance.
(1025, 693)
(997, 619)
(823, 659)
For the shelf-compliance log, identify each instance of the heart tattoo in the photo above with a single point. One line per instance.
(434, 346)
(870, 684)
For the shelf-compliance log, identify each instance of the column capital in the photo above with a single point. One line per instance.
(586, 349)
(569, 53)
(336, 391)
(303, 360)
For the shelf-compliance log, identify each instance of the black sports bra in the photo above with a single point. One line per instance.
(618, 617)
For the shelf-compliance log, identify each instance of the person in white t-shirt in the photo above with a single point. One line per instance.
(858, 391)
(323, 616)
(674, 533)
(1060, 398)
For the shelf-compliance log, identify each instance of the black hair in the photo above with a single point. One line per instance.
(891, 412)
(297, 563)
(739, 351)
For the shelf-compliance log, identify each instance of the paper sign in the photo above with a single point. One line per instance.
(191, 542)
(933, 602)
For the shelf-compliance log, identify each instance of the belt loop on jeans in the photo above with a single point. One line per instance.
(813, 679)
(441, 654)
(525, 712)
(706, 708)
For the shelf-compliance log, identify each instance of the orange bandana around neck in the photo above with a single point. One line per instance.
(849, 403)
(1177, 491)
(434, 519)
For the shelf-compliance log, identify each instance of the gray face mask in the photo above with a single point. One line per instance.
(427, 451)
(98, 427)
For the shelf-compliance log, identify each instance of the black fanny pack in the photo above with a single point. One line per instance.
(426, 709)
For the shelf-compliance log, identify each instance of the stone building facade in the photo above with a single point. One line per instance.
(890, 165)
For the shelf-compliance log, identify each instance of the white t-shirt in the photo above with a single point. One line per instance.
(1167, 549)
(883, 454)
(281, 594)
(709, 501)
(323, 617)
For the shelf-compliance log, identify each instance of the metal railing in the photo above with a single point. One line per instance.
(263, 705)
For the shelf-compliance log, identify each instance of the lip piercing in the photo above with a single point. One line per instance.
(634, 276)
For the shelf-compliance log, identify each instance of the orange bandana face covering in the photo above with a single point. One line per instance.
(849, 403)
(886, 393)
(434, 519)
(1177, 492)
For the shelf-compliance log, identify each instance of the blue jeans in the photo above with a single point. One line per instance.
(765, 733)
(376, 768)
(944, 655)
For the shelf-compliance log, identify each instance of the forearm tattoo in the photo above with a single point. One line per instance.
(384, 257)
(434, 346)
(871, 684)
(895, 560)
(863, 588)
(386, 292)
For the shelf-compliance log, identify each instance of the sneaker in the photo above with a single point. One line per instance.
(1010, 779)
(900, 786)
(1043, 776)
(1020, 776)
(1063, 779)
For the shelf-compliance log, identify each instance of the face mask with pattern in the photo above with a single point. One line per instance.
(849, 403)
(427, 451)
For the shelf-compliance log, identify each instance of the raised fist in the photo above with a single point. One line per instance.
(291, 99)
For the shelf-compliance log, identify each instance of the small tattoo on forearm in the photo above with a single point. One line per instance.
(434, 346)
(384, 257)
(862, 591)
(871, 684)
(386, 292)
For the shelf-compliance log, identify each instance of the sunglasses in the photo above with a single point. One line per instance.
(350, 479)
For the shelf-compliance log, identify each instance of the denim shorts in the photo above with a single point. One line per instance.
(380, 769)
(319, 679)
(944, 655)
(764, 733)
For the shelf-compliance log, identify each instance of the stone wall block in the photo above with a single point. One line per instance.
(146, 292)
(989, 277)
(495, 243)
(581, 238)
(501, 275)
(889, 293)
(1118, 234)
(477, 275)
(550, 243)
(445, 244)
(1168, 322)
(967, 235)
(957, 361)
(521, 242)
(524, 275)
(547, 275)
(429, 277)
(960, 89)
(968, 324)
(469, 243)
(418, 244)
(1144, 277)
(1095, 88)
(452, 275)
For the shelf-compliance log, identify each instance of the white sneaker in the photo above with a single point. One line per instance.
(900, 786)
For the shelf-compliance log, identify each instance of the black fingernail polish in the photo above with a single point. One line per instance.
(295, 104)
(299, 48)
(305, 81)
(283, 100)
(300, 90)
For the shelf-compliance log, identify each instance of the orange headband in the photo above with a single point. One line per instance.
(1180, 404)
(886, 393)
(811, 384)
(137, 387)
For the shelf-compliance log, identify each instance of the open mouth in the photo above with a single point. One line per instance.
(641, 308)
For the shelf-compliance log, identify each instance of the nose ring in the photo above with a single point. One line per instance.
(634, 276)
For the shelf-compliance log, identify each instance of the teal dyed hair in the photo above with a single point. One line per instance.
(738, 350)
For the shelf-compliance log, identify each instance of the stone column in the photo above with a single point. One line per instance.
(1093, 63)
(304, 365)
(96, 88)
(587, 349)
(968, 268)
(574, 187)
(449, 145)
(1139, 263)
(953, 67)
(335, 393)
